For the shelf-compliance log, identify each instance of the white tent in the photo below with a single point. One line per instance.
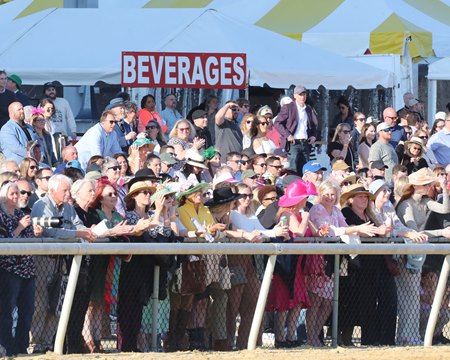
(84, 46)
(439, 70)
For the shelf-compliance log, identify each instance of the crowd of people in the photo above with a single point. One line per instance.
(220, 174)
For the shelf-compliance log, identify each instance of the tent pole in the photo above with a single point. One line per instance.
(432, 98)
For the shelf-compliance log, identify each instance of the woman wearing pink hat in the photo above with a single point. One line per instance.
(288, 293)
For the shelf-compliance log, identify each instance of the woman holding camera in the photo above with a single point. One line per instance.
(17, 274)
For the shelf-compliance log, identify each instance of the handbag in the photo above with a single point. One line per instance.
(193, 277)
(56, 288)
(392, 265)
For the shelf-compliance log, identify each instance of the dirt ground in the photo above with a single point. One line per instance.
(360, 353)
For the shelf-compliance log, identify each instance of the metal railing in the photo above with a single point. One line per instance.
(50, 246)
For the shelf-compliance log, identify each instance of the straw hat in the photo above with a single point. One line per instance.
(194, 158)
(423, 176)
(354, 190)
(139, 186)
(296, 192)
(415, 140)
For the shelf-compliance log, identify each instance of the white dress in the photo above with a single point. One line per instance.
(266, 147)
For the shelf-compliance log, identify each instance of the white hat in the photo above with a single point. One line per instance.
(382, 126)
(441, 115)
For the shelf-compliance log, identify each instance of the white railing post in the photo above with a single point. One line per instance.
(437, 302)
(261, 304)
(67, 304)
(155, 303)
(334, 322)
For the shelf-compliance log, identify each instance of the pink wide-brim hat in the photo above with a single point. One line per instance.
(296, 192)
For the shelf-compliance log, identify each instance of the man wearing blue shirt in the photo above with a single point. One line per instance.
(439, 143)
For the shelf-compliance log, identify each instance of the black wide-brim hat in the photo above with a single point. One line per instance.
(222, 196)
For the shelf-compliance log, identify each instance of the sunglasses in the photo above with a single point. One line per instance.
(44, 177)
(250, 196)
(151, 127)
(23, 192)
(423, 137)
(262, 165)
(115, 168)
(249, 121)
(33, 167)
(387, 130)
(145, 192)
(112, 122)
(111, 194)
(276, 166)
(184, 129)
(237, 161)
(275, 198)
(361, 119)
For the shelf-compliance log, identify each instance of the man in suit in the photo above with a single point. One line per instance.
(101, 139)
(13, 84)
(297, 126)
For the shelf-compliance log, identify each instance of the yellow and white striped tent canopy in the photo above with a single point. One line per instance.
(346, 27)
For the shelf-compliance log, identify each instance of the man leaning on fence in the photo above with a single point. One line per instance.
(53, 205)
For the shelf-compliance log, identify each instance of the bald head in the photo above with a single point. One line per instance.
(15, 111)
(390, 116)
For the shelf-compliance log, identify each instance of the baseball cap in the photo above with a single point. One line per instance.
(280, 152)
(73, 164)
(198, 114)
(412, 102)
(167, 158)
(441, 115)
(382, 126)
(378, 164)
(49, 85)
(247, 174)
(312, 166)
(299, 89)
(340, 165)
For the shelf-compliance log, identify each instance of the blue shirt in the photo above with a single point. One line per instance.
(439, 144)
(170, 116)
(398, 134)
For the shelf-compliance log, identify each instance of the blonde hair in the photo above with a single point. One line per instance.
(244, 123)
(174, 132)
(328, 185)
(339, 129)
(400, 186)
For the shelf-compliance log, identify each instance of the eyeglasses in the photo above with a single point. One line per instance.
(145, 192)
(274, 198)
(111, 194)
(250, 196)
(262, 165)
(184, 129)
(263, 123)
(23, 192)
(423, 137)
(44, 177)
(361, 119)
(115, 168)
(33, 167)
(387, 130)
(346, 131)
(151, 127)
(276, 166)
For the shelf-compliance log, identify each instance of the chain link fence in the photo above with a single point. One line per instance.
(208, 302)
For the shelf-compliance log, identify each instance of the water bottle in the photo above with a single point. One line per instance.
(388, 222)
(202, 230)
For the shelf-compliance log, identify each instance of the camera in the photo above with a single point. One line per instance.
(53, 222)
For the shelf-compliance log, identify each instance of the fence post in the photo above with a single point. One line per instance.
(261, 304)
(437, 302)
(334, 323)
(67, 304)
(155, 303)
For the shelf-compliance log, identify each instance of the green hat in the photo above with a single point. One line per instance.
(209, 153)
(161, 190)
(167, 158)
(247, 174)
(16, 80)
(143, 141)
(192, 189)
